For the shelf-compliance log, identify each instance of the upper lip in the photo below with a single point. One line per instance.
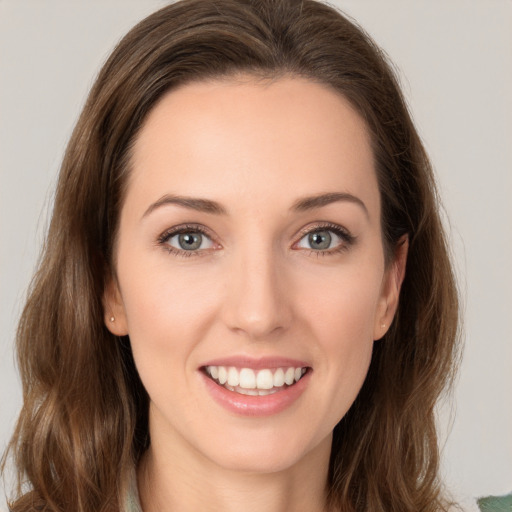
(257, 363)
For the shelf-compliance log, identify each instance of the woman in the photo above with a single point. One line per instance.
(245, 298)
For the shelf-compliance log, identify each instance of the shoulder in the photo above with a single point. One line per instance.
(496, 503)
(459, 503)
(132, 501)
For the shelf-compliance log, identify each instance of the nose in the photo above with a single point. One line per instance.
(257, 304)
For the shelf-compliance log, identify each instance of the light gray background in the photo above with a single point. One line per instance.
(455, 62)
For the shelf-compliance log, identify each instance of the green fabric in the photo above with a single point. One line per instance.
(132, 503)
(496, 503)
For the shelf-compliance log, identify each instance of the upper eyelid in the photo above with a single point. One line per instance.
(326, 226)
(185, 228)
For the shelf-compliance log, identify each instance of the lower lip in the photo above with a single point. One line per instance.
(247, 405)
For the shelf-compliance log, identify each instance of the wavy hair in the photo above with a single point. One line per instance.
(84, 421)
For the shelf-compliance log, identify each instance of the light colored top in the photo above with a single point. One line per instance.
(132, 503)
(490, 504)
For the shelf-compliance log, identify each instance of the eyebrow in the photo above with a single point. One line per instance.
(192, 203)
(300, 205)
(317, 201)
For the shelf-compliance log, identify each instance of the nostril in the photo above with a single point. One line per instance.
(256, 304)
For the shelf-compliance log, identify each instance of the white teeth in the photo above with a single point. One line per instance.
(265, 392)
(250, 382)
(264, 380)
(279, 378)
(242, 391)
(289, 376)
(247, 378)
(223, 374)
(233, 377)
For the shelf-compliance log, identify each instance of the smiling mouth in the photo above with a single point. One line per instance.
(247, 381)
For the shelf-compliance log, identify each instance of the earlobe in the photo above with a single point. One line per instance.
(392, 283)
(113, 309)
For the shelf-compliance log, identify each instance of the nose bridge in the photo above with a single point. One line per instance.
(257, 303)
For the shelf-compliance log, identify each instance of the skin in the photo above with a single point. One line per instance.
(255, 287)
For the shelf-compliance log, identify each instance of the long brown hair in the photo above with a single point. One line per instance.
(84, 420)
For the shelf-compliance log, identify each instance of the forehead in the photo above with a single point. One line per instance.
(253, 141)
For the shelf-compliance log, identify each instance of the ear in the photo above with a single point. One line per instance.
(390, 291)
(114, 314)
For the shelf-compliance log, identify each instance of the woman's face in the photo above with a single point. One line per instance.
(250, 249)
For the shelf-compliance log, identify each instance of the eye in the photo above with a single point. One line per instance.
(189, 241)
(186, 241)
(320, 240)
(326, 239)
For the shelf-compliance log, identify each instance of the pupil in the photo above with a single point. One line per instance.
(320, 240)
(189, 241)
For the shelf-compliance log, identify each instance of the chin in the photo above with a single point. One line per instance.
(267, 454)
(259, 461)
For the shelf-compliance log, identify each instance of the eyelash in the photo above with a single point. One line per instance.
(347, 239)
(178, 230)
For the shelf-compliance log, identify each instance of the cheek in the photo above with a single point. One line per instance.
(345, 332)
(344, 307)
(341, 318)
(158, 291)
(167, 312)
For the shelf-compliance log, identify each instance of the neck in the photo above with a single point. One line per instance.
(181, 481)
